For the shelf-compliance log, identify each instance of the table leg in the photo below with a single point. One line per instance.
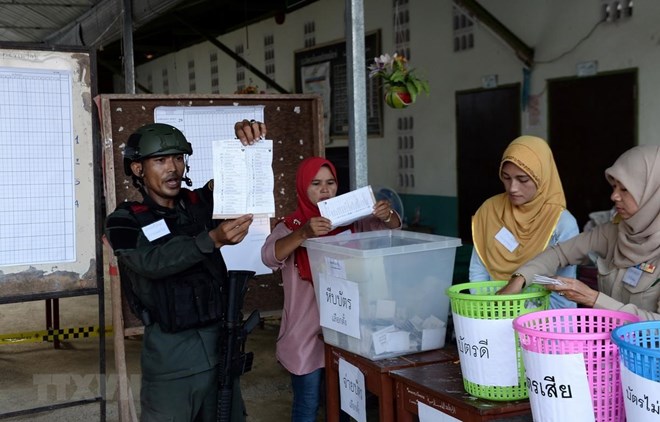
(53, 318)
(386, 399)
(402, 415)
(332, 405)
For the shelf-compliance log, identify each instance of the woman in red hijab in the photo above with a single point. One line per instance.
(299, 348)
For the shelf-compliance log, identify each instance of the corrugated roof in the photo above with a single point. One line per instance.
(159, 26)
(31, 21)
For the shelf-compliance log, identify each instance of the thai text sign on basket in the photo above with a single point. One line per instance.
(639, 349)
(490, 357)
(572, 366)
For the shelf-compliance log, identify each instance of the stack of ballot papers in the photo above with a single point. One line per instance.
(541, 279)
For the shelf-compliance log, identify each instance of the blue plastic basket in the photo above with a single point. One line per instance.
(639, 348)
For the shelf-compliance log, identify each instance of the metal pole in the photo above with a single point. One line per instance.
(129, 65)
(357, 106)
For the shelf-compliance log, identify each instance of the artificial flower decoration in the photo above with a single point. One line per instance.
(401, 84)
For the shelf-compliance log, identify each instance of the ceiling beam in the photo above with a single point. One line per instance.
(42, 4)
(235, 56)
(36, 28)
(523, 51)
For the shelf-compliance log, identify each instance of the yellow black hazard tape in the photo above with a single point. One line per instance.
(51, 335)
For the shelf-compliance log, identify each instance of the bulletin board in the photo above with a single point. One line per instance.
(49, 206)
(294, 125)
(323, 69)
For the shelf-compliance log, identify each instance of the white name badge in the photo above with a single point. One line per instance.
(507, 239)
(156, 230)
(632, 276)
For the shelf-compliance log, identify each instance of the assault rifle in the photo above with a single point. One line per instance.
(234, 362)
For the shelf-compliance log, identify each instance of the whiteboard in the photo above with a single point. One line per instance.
(48, 207)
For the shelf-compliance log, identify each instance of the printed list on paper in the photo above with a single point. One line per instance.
(243, 179)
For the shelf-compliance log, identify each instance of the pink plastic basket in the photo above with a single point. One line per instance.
(586, 331)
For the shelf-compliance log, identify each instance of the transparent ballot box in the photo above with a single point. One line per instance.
(381, 294)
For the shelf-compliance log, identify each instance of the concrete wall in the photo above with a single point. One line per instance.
(554, 28)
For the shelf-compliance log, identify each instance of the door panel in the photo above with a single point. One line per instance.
(486, 122)
(591, 121)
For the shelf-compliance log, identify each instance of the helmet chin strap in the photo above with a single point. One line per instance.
(139, 185)
(185, 177)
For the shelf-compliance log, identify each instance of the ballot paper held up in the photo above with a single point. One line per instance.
(541, 279)
(243, 179)
(349, 207)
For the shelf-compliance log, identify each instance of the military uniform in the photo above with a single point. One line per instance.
(185, 360)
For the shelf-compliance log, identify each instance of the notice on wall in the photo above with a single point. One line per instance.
(38, 204)
(49, 195)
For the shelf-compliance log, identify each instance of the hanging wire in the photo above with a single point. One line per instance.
(247, 35)
(583, 39)
(397, 27)
(570, 50)
(121, 36)
(108, 28)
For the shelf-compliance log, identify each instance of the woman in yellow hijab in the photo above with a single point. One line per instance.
(511, 228)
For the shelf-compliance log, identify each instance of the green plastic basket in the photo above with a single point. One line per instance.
(477, 300)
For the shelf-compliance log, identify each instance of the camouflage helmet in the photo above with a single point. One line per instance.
(153, 140)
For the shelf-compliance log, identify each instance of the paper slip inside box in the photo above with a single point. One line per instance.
(349, 207)
(541, 279)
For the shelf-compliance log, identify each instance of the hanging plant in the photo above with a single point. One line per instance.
(402, 86)
(250, 89)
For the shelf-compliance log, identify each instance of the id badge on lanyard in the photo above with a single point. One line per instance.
(633, 274)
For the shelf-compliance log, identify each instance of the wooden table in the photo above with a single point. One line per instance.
(440, 385)
(376, 375)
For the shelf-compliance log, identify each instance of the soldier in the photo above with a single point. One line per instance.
(168, 247)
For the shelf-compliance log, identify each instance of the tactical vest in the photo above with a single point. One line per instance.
(192, 298)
